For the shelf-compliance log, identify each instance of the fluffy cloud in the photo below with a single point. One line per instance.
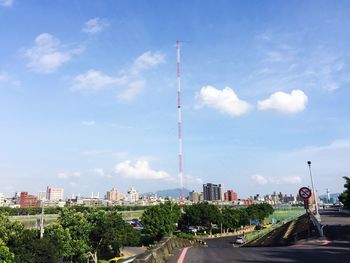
(259, 179)
(6, 3)
(67, 175)
(283, 102)
(88, 123)
(133, 89)
(189, 179)
(101, 173)
(140, 170)
(47, 54)
(145, 61)
(130, 79)
(94, 80)
(262, 180)
(94, 26)
(225, 101)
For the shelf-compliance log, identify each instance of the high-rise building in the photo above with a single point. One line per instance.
(42, 196)
(27, 200)
(133, 195)
(230, 196)
(54, 193)
(195, 197)
(114, 195)
(213, 192)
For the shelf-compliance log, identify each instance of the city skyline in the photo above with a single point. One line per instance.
(88, 95)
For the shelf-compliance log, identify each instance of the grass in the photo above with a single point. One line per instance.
(259, 233)
(286, 214)
(278, 215)
(31, 221)
(131, 214)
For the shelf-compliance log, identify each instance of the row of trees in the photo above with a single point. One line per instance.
(56, 210)
(345, 196)
(102, 233)
(161, 220)
(205, 214)
(71, 238)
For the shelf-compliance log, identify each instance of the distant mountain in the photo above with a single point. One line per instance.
(174, 193)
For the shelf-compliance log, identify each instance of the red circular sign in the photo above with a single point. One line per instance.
(305, 193)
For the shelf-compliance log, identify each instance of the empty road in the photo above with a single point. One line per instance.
(335, 249)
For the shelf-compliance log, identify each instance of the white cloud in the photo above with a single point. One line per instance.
(101, 173)
(189, 179)
(274, 56)
(225, 101)
(262, 180)
(94, 25)
(145, 61)
(47, 54)
(283, 102)
(94, 80)
(88, 123)
(67, 175)
(130, 81)
(335, 145)
(140, 170)
(134, 88)
(7, 80)
(6, 3)
(259, 179)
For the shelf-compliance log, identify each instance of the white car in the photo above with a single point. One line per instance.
(240, 240)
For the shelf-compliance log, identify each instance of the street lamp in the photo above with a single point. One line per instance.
(317, 215)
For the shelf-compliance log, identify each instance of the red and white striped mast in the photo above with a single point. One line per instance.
(179, 123)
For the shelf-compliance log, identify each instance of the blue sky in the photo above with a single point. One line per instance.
(88, 94)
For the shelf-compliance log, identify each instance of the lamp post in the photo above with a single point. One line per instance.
(317, 215)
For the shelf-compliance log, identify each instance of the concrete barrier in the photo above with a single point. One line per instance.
(345, 211)
(160, 252)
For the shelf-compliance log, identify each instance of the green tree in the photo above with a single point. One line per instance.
(110, 233)
(344, 197)
(60, 238)
(79, 230)
(160, 220)
(230, 217)
(5, 255)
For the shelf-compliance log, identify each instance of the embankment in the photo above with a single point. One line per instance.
(287, 234)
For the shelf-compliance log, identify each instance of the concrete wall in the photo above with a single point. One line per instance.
(345, 211)
(164, 248)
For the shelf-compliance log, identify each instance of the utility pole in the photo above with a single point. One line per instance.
(179, 123)
(317, 215)
(42, 221)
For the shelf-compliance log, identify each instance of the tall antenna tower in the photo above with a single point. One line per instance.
(179, 123)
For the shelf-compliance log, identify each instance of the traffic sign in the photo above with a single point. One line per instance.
(305, 193)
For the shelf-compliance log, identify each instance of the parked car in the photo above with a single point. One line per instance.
(192, 229)
(258, 227)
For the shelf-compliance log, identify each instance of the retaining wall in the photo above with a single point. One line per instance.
(164, 248)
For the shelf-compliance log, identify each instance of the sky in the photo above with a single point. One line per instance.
(88, 95)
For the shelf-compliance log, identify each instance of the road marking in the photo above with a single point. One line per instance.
(182, 256)
(326, 242)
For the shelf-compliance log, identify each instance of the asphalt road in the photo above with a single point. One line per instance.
(335, 249)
